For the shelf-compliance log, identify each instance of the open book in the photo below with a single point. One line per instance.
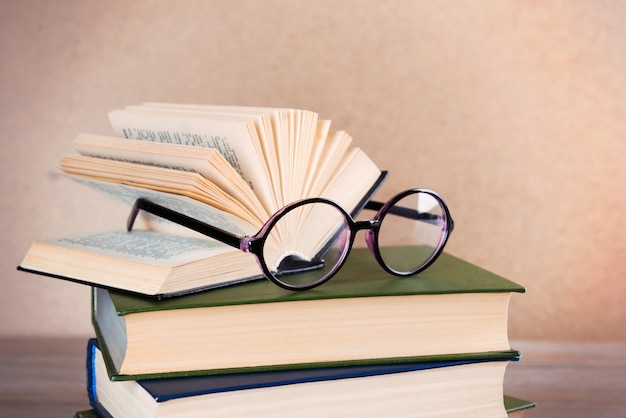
(229, 166)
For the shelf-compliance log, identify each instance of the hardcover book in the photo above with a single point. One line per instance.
(460, 388)
(363, 315)
(228, 166)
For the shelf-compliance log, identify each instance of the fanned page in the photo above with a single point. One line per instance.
(305, 152)
(160, 179)
(286, 137)
(314, 229)
(198, 165)
(276, 169)
(278, 155)
(354, 170)
(301, 151)
(266, 121)
(330, 150)
(188, 206)
(235, 138)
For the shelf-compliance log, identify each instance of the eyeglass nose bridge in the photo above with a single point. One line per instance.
(371, 231)
(366, 225)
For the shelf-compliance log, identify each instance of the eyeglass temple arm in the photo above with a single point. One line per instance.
(180, 219)
(406, 212)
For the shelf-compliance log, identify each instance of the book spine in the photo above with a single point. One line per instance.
(91, 372)
(92, 393)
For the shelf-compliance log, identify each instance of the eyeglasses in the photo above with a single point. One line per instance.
(306, 242)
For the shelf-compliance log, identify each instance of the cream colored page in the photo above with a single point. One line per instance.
(288, 143)
(267, 121)
(156, 178)
(182, 204)
(294, 147)
(207, 162)
(331, 152)
(302, 149)
(287, 135)
(236, 141)
(355, 176)
(151, 247)
(321, 136)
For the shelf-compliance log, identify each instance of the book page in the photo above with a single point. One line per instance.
(304, 150)
(317, 148)
(265, 120)
(145, 246)
(286, 138)
(295, 153)
(237, 141)
(331, 151)
(148, 262)
(185, 205)
(207, 162)
(354, 176)
(300, 157)
(157, 178)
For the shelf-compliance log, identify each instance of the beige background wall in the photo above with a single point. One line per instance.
(513, 110)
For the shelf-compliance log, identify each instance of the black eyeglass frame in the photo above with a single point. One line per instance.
(254, 244)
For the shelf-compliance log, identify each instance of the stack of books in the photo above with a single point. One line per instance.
(185, 329)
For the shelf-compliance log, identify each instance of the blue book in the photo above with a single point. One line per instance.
(470, 387)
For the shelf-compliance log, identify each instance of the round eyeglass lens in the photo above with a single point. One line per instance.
(307, 244)
(417, 223)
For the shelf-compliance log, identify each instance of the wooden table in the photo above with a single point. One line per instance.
(570, 379)
(45, 377)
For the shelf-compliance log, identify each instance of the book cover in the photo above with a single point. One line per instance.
(91, 413)
(516, 407)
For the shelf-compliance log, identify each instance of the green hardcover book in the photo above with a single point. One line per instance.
(515, 408)
(87, 413)
(362, 316)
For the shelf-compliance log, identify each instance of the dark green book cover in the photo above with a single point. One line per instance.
(513, 404)
(88, 413)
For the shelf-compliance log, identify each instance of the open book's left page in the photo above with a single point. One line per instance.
(144, 262)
